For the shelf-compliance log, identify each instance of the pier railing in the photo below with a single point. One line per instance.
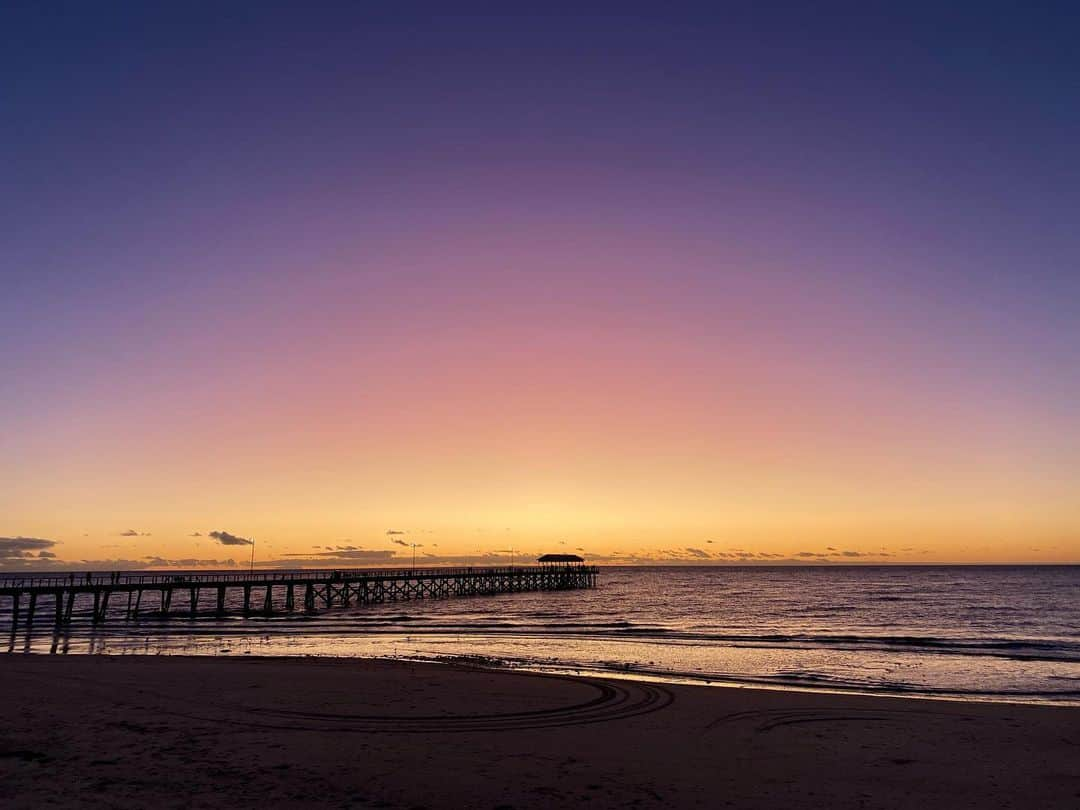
(97, 578)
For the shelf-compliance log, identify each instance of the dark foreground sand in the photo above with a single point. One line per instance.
(215, 732)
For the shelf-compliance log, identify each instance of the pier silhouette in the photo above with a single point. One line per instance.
(128, 593)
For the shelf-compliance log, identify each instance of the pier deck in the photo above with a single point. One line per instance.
(267, 592)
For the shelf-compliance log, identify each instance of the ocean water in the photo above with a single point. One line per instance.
(961, 631)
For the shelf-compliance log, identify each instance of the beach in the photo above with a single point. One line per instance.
(172, 731)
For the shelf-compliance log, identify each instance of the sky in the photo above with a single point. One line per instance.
(736, 282)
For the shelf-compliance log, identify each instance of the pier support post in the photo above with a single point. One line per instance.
(194, 601)
(221, 600)
(268, 602)
(30, 610)
(247, 599)
(309, 598)
(59, 597)
(289, 605)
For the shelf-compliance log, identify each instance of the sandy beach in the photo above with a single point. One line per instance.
(215, 732)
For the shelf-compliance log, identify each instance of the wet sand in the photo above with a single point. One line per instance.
(219, 732)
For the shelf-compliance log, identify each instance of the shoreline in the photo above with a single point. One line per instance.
(728, 682)
(631, 673)
(247, 730)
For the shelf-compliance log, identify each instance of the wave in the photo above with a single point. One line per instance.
(357, 625)
(789, 679)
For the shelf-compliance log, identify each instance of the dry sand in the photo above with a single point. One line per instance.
(218, 732)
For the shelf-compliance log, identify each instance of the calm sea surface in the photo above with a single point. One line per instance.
(974, 632)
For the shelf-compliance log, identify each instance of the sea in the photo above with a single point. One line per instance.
(965, 632)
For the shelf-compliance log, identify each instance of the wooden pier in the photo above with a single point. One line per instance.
(128, 593)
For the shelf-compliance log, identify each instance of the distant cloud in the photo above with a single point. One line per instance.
(188, 562)
(399, 543)
(23, 548)
(195, 534)
(394, 531)
(227, 539)
(46, 560)
(697, 552)
(134, 533)
(852, 554)
(709, 542)
(352, 555)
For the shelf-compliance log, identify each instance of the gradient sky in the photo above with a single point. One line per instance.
(739, 282)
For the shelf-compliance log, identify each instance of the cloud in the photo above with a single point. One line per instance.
(18, 548)
(400, 543)
(709, 542)
(134, 533)
(320, 558)
(227, 539)
(853, 554)
(394, 531)
(195, 534)
(697, 552)
(153, 561)
(51, 563)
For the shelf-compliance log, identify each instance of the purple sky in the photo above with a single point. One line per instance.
(847, 222)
